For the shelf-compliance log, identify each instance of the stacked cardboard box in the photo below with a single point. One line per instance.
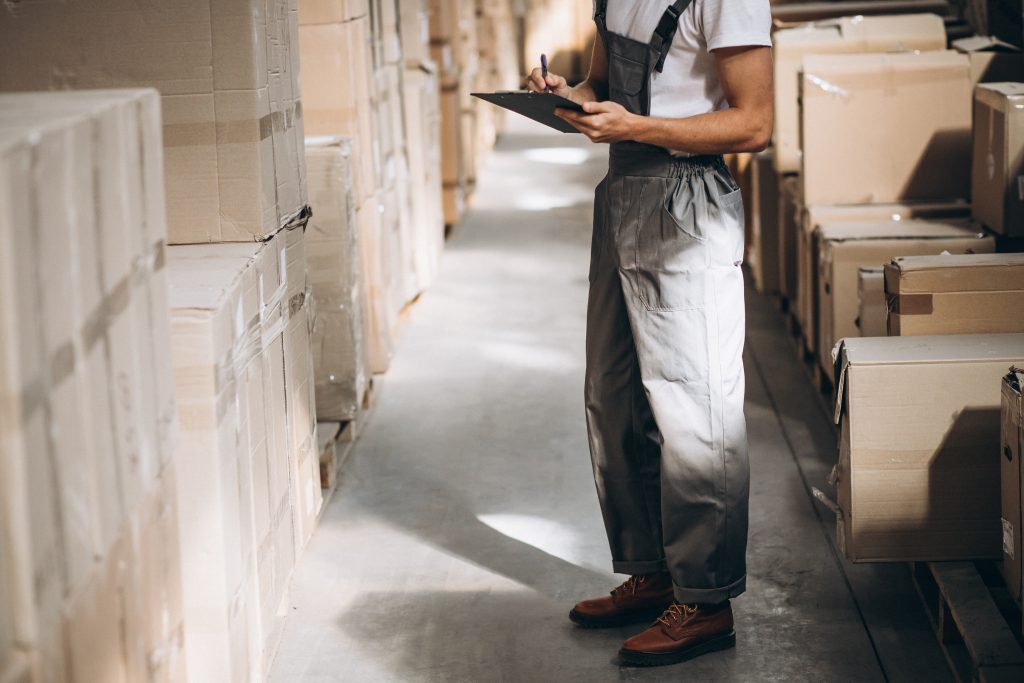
(997, 179)
(88, 432)
(228, 76)
(918, 470)
(340, 366)
(955, 294)
(1011, 474)
(844, 248)
(247, 474)
(807, 309)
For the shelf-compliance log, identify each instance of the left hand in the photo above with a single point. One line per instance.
(602, 122)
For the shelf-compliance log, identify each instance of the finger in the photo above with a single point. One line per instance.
(555, 81)
(597, 107)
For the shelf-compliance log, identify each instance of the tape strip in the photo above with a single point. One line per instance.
(910, 304)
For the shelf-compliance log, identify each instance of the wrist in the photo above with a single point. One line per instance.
(638, 126)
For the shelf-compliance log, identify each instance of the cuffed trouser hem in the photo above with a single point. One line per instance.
(709, 596)
(643, 567)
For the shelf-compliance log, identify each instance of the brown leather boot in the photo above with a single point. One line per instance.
(682, 632)
(641, 598)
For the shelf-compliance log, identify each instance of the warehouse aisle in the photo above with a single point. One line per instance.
(466, 523)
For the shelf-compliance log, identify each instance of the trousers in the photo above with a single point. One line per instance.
(664, 381)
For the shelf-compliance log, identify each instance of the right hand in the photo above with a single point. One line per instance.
(555, 83)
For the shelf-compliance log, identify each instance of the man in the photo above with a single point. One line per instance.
(672, 88)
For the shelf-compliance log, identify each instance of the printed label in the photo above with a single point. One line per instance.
(1007, 538)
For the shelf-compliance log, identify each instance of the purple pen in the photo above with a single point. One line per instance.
(544, 71)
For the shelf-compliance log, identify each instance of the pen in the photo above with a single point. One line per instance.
(544, 71)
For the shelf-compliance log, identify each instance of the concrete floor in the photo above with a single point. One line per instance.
(466, 523)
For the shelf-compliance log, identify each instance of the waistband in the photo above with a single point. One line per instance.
(636, 159)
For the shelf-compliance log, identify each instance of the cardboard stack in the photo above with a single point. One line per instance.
(1011, 475)
(918, 470)
(843, 35)
(997, 177)
(88, 433)
(247, 473)
(228, 76)
(341, 369)
(844, 248)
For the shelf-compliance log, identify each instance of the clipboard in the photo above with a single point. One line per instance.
(539, 106)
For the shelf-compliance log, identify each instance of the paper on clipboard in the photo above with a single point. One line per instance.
(539, 106)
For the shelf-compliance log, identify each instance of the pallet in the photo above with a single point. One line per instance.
(975, 637)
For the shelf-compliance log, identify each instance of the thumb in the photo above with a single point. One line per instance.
(595, 107)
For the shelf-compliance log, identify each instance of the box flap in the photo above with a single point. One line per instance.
(982, 44)
(905, 229)
(958, 348)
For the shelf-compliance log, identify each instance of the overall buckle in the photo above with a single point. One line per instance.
(665, 32)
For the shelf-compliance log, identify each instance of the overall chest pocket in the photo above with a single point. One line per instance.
(626, 77)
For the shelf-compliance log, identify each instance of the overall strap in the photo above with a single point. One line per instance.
(661, 41)
(599, 11)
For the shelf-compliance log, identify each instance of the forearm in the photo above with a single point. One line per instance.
(721, 132)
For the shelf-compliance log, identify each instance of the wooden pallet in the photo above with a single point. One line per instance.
(335, 441)
(975, 637)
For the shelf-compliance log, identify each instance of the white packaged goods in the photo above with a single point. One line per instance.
(333, 259)
(248, 486)
(228, 76)
(88, 423)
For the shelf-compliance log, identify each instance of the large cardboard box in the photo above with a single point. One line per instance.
(763, 253)
(844, 248)
(244, 470)
(331, 11)
(885, 127)
(871, 295)
(808, 248)
(895, 33)
(918, 471)
(955, 294)
(338, 90)
(333, 259)
(232, 118)
(997, 178)
(1011, 474)
(88, 423)
(790, 210)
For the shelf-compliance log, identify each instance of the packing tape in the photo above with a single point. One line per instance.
(218, 132)
(826, 86)
(909, 304)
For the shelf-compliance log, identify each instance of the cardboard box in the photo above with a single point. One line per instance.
(992, 60)
(843, 248)
(917, 474)
(997, 178)
(763, 255)
(242, 366)
(808, 248)
(871, 295)
(229, 95)
(790, 210)
(895, 33)
(1012, 504)
(331, 11)
(80, 281)
(885, 127)
(955, 294)
(338, 86)
(333, 260)
(376, 327)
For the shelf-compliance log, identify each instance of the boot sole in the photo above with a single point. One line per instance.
(628, 619)
(722, 642)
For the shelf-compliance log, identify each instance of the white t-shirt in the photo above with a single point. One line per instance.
(688, 85)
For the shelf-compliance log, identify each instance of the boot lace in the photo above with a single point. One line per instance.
(676, 613)
(631, 585)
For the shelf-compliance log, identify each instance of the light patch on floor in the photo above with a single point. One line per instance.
(548, 535)
(564, 156)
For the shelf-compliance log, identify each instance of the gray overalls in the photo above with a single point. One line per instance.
(665, 328)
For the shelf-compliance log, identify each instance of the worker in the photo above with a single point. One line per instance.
(672, 88)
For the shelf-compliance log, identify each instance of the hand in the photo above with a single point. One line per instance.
(555, 83)
(601, 122)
